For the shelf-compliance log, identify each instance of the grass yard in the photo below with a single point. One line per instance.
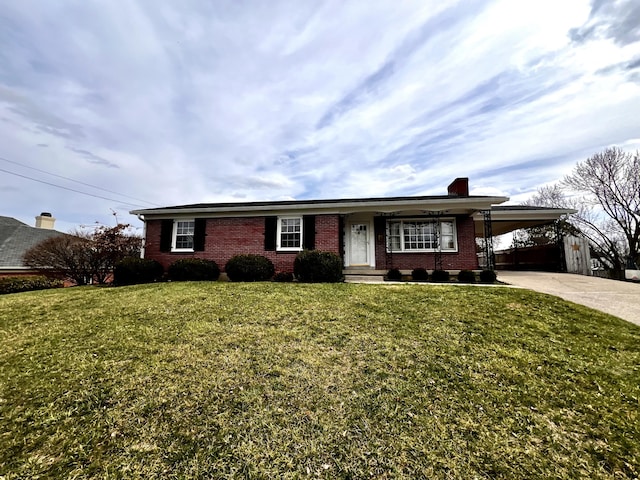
(267, 380)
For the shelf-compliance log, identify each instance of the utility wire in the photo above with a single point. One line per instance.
(77, 181)
(71, 189)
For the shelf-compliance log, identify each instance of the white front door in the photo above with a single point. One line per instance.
(359, 244)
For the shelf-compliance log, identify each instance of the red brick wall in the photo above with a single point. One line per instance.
(464, 259)
(226, 237)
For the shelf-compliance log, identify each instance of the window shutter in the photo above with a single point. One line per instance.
(166, 232)
(199, 232)
(309, 232)
(270, 232)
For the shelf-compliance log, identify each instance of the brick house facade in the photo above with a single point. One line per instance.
(372, 233)
(226, 237)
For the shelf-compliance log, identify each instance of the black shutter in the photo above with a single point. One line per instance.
(270, 232)
(309, 232)
(199, 234)
(166, 232)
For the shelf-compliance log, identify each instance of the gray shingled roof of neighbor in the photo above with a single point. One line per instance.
(16, 238)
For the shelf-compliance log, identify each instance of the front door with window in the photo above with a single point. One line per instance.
(359, 244)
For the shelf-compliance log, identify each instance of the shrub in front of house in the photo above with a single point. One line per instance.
(283, 277)
(27, 284)
(134, 270)
(394, 274)
(315, 266)
(419, 274)
(488, 276)
(249, 268)
(466, 276)
(193, 269)
(440, 276)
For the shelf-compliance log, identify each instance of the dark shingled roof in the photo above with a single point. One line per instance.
(16, 238)
(307, 202)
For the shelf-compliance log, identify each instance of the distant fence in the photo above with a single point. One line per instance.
(577, 255)
(572, 257)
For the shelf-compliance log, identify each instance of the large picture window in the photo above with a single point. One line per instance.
(289, 233)
(183, 232)
(413, 235)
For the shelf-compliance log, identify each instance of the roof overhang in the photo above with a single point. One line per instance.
(449, 205)
(505, 219)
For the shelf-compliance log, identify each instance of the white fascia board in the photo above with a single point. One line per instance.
(547, 214)
(439, 205)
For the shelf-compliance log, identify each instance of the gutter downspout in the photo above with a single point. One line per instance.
(144, 234)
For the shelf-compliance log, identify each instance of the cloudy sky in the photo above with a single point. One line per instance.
(151, 102)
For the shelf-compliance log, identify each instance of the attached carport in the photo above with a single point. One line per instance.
(503, 219)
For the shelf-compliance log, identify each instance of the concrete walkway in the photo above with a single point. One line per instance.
(621, 299)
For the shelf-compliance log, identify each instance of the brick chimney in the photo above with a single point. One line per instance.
(459, 187)
(45, 220)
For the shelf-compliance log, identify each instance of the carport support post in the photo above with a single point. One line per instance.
(489, 256)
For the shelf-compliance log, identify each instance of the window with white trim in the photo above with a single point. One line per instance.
(289, 234)
(183, 231)
(415, 235)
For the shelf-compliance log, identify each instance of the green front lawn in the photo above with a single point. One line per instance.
(266, 380)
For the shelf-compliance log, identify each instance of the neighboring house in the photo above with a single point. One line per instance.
(369, 233)
(17, 237)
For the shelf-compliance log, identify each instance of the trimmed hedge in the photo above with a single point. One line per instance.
(28, 284)
(132, 271)
(466, 276)
(488, 276)
(420, 274)
(249, 268)
(195, 269)
(440, 276)
(314, 266)
(394, 274)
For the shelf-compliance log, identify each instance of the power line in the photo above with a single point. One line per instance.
(70, 189)
(77, 181)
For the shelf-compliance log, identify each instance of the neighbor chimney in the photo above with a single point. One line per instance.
(45, 220)
(459, 187)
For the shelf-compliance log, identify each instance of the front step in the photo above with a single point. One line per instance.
(362, 271)
(350, 278)
(363, 275)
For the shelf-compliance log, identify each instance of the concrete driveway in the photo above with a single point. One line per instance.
(621, 299)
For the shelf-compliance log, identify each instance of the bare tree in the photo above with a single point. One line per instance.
(551, 196)
(605, 191)
(109, 246)
(84, 257)
(67, 256)
(607, 188)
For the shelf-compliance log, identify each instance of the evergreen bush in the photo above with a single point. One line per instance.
(466, 276)
(195, 269)
(394, 274)
(249, 268)
(488, 276)
(133, 270)
(27, 284)
(419, 274)
(315, 266)
(440, 276)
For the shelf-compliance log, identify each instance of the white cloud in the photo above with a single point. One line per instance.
(221, 101)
